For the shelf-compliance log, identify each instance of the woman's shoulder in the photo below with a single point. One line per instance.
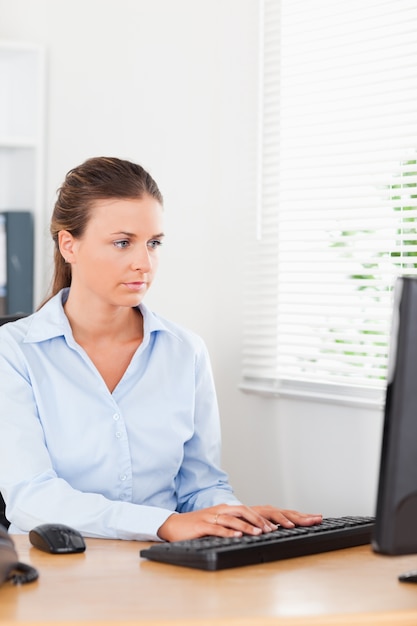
(42, 324)
(14, 325)
(13, 334)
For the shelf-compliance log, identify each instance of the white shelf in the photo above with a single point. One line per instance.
(17, 142)
(22, 89)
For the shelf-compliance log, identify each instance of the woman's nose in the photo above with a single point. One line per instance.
(142, 261)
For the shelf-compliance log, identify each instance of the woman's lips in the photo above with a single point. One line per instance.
(136, 286)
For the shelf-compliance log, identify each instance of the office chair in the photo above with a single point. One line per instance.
(3, 320)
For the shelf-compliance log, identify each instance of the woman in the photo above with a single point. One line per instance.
(109, 419)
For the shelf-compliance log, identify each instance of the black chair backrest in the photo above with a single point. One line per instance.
(11, 318)
(3, 320)
(3, 519)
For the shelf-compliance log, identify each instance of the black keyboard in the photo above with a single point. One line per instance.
(215, 553)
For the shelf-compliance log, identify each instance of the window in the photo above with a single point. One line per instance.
(337, 212)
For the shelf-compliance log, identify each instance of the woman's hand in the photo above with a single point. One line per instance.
(225, 520)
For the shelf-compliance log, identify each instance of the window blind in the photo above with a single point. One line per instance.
(337, 203)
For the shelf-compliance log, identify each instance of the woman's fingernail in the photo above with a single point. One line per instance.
(269, 528)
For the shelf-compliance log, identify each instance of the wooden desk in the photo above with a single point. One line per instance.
(109, 584)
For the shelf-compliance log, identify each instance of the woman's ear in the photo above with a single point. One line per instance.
(66, 245)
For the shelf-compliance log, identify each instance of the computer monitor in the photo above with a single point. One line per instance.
(395, 529)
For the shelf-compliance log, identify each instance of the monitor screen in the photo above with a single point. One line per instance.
(3, 271)
(396, 512)
(16, 262)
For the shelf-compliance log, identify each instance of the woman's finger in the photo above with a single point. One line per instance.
(289, 518)
(243, 518)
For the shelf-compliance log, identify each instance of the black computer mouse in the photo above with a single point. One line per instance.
(57, 539)
(408, 577)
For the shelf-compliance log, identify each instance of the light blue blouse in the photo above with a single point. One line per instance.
(109, 464)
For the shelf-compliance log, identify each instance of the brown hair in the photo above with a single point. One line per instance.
(95, 179)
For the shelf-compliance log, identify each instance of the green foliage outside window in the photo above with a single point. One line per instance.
(402, 256)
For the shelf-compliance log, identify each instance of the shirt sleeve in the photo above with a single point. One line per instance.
(33, 492)
(201, 482)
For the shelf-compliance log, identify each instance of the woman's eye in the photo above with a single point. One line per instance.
(123, 243)
(154, 243)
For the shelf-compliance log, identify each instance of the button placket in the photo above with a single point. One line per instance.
(124, 470)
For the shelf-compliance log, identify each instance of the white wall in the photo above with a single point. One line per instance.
(172, 85)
